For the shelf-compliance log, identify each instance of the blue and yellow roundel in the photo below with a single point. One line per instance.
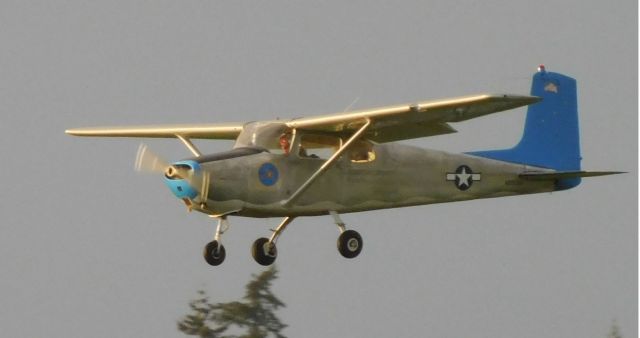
(268, 174)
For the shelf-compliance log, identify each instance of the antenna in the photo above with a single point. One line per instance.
(351, 105)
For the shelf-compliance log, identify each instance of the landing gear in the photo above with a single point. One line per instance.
(214, 252)
(350, 244)
(349, 241)
(264, 250)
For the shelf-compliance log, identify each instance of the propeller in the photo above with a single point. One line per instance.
(149, 162)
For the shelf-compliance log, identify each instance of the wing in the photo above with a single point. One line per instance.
(408, 121)
(388, 124)
(226, 131)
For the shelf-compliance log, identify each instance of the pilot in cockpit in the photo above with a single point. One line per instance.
(285, 143)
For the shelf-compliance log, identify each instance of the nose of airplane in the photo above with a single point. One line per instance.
(182, 179)
(186, 179)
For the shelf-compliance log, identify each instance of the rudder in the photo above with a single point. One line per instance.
(551, 136)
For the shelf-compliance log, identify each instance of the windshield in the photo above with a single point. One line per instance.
(261, 134)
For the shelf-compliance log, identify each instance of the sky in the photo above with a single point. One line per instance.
(90, 248)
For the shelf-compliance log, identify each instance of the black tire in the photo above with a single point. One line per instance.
(350, 244)
(262, 254)
(214, 253)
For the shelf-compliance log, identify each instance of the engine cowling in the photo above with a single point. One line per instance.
(183, 178)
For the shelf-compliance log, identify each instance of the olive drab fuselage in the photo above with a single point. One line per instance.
(257, 185)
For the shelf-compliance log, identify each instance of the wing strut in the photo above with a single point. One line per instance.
(189, 145)
(327, 164)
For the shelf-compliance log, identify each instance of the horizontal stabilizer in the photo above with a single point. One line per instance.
(558, 175)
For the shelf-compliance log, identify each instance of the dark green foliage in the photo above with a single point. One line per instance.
(615, 331)
(254, 314)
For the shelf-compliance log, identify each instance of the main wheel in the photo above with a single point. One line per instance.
(263, 252)
(214, 253)
(350, 243)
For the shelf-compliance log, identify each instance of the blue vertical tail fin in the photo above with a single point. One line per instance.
(551, 138)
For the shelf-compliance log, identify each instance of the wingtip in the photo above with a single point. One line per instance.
(530, 99)
(74, 132)
(521, 99)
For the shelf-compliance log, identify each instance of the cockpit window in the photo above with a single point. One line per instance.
(318, 146)
(284, 144)
(261, 134)
(362, 152)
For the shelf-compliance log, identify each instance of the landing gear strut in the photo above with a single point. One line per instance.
(264, 250)
(349, 241)
(214, 252)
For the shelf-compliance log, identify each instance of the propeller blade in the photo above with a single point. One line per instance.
(149, 162)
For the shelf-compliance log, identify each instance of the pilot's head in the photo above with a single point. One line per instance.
(284, 143)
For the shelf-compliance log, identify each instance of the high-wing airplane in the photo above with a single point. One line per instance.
(350, 162)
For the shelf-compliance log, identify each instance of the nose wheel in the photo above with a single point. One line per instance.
(214, 252)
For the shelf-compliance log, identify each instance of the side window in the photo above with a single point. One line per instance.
(318, 146)
(284, 144)
(362, 152)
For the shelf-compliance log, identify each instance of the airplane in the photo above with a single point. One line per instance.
(350, 162)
